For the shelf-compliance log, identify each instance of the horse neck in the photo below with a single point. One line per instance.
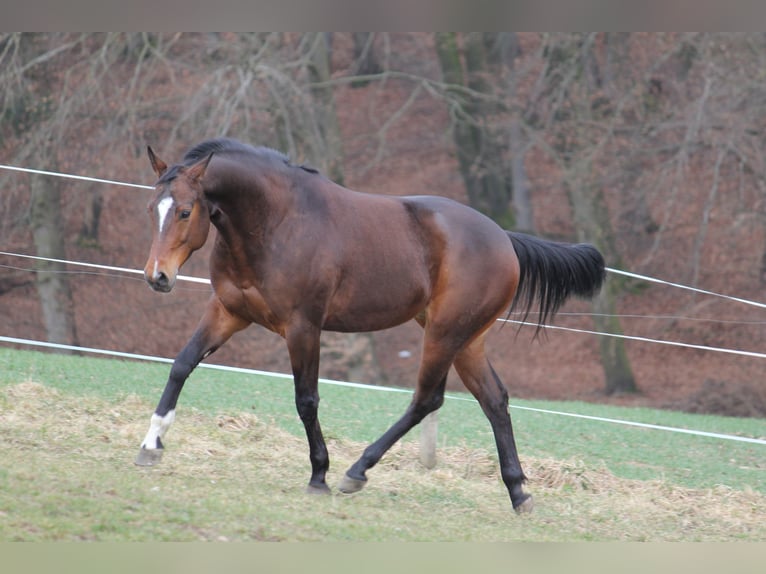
(245, 203)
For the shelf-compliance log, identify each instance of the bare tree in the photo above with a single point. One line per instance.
(653, 143)
(52, 283)
(479, 149)
(574, 130)
(366, 61)
(30, 61)
(317, 46)
(269, 88)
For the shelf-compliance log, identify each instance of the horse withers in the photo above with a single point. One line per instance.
(298, 254)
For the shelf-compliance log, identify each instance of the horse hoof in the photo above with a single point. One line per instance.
(525, 506)
(317, 489)
(149, 456)
(350, 485)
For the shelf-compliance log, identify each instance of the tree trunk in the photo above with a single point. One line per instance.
(522, 200)
(479, 154)
(573, 133)
(618, 373)
(91, 218)
(52, 283)
(504, 49)
(327, 120)
(366, 60)
(593, 224)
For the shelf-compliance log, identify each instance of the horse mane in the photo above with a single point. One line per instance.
(222, 145)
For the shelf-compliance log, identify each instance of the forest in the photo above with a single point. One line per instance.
(648, 145)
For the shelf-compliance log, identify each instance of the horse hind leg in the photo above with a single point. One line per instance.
(355, 478)
(428, 397)
(480, 378)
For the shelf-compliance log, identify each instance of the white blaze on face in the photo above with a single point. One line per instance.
(163, 208)
(157, 429)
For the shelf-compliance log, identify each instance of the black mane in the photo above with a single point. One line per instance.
(223, 145)
(220, 145)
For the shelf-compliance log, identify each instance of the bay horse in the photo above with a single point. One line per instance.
(298, 254)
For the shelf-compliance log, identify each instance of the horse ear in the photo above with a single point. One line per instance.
(158, 165)
(196, 171)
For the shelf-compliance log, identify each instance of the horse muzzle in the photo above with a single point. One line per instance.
(159, 281)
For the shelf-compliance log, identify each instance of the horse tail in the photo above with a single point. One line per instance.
(551, 272)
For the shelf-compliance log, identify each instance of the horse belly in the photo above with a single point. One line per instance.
(380, 304)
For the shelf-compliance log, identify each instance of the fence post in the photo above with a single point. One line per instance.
(428, 431)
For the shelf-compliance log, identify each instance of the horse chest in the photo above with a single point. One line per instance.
(249, 304)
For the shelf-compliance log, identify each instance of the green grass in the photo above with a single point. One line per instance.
(362, 415)
(236, 466)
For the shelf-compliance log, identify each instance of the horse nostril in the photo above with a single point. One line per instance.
(159, 281)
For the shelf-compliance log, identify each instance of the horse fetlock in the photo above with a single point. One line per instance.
(157, 429)
(151, 447)
(317, 488)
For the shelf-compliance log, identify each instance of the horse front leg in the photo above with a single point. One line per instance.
(214, 329)
(303, 346)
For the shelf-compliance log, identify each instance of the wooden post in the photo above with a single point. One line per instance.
(428, 432)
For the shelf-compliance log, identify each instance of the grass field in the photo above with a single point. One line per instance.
(236, 465)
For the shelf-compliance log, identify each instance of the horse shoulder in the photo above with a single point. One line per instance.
(243, 298)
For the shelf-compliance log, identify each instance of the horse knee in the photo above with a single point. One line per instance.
(180, 371)
(307, 406)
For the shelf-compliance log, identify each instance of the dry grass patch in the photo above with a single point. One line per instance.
(67, 474)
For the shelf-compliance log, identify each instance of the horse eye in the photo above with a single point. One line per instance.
(185, 214)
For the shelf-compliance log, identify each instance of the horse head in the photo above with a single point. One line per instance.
(180, 219)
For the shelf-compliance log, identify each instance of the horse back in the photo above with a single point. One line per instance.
(400, 253)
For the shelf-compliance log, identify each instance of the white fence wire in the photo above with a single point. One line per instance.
(119, 354)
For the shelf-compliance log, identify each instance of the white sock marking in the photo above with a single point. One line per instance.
(157, 429)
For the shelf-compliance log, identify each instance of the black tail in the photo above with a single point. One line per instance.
(551, 272)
